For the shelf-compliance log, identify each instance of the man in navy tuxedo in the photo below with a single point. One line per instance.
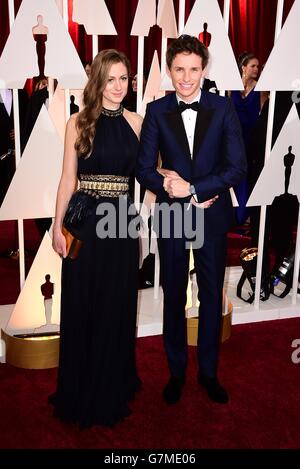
(199, 139)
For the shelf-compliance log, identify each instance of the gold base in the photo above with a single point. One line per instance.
(32, 352)
(192, 327)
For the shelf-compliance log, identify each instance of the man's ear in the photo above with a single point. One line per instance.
(168, 72)
(204, 71)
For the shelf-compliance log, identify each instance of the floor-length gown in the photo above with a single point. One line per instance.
(247, 108)
(97, 372)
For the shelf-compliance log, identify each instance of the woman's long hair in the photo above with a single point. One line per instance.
(92, 98)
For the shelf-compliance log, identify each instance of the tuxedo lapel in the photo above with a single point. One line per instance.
(203, 121)
(175, 122)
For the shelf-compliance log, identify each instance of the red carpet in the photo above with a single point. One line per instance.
(255, 367)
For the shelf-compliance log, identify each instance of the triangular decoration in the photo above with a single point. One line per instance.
(145, 17)
(166, 18)
(60, 6)
(29, 310)
(32, 192)
(95, 17)
(286, 145)
(282, 70)
(61, 58)
(57, 109)
(207, 12)
(152, 90)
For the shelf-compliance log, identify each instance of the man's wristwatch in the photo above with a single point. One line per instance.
(192, 189)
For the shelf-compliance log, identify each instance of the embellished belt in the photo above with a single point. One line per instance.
(107, 185)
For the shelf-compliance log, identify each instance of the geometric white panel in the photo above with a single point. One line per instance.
(60, 6)
(32, 192)
(57, 109)
(19, 58)
(271, 180)
(152, 91)
(94, 15)
(166, 18)
(222, 66)
(234, 200)
(29, 310)
(145, 17)
(282, 69)
(166, 83)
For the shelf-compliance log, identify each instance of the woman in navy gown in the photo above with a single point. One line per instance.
(97, 370)
(248, 104)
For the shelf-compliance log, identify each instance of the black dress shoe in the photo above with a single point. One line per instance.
(173, 390)
(215, 391)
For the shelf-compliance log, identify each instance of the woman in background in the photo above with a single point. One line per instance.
(248, 104)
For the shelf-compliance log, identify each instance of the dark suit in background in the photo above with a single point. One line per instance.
(7, 142)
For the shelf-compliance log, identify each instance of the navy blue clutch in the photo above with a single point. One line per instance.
(78, 212)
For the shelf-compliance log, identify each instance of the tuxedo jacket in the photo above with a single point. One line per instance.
(217, 163)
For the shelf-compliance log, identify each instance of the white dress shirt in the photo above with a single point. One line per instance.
(189, 117)
(6, 99)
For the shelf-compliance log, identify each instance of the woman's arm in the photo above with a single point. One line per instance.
(264, 95)
(67, 185)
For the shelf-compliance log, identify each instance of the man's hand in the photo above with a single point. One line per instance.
(176, 187)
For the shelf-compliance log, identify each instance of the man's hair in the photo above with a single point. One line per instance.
(187, 44)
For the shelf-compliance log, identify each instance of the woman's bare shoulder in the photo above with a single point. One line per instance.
(134, 119)
(134, 116)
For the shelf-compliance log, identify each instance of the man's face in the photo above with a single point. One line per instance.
(186, 73)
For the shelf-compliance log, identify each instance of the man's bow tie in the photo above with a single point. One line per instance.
(183, 106)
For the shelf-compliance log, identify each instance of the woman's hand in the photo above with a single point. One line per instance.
(167, 173)
(206, 204)
(59, 242)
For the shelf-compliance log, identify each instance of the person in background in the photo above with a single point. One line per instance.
(7, 148)
(131, 99)
(248, 104)
(88, 67)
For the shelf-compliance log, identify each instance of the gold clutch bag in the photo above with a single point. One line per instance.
(73, 244)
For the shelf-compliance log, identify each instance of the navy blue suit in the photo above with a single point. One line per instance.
(218, 162)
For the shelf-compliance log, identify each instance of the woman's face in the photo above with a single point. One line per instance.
(88, 70)
(251, 69)
(134, 84)
(116, 86)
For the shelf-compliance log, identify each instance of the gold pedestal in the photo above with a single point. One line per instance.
(32, 352)
(192, 327)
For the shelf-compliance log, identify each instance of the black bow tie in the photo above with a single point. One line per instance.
(183, 106)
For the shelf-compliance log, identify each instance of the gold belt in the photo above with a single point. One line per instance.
(107, 185)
